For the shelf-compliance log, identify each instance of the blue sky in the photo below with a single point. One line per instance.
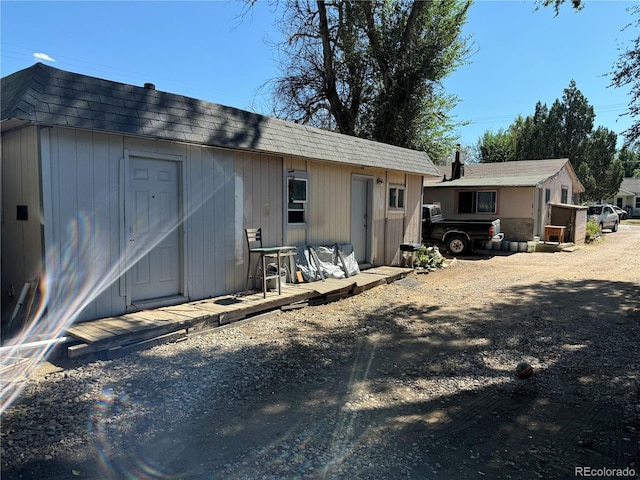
(205, 50)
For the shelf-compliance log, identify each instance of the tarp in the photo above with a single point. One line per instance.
(318, 262)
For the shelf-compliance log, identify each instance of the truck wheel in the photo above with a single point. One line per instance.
(457, 244)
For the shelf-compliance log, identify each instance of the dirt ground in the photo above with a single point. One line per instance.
(430, 381)
(416, 379)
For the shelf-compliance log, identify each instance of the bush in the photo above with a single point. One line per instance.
(593, 231)
(428, 258)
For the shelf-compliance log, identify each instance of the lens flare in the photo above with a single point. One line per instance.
(76, 273)
(118, 461)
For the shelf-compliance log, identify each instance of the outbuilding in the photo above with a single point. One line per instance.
(123, 196)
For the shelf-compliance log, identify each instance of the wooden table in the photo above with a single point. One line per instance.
(554, 231)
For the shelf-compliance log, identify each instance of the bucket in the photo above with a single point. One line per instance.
(513, 247)
(536, 239)
(504, 245)
(531, 247)
(496, 244)
(522, 246)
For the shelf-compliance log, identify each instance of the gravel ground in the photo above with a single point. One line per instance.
(410, 380)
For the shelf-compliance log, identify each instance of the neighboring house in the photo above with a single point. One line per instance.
(628, 197)
(520, 193)
(126, 196)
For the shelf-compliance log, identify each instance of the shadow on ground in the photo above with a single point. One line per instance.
(407, 392)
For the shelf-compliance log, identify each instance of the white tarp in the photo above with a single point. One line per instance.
(322, 261)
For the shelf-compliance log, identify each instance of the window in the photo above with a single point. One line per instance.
(637, 202)
(564, 196)
(486, 202)
(297, 196)
(547, 195)
(477, 202)
(297, 190)
(619, 202)
(396, 197)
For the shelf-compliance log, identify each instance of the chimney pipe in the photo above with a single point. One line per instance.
(456, 166)
(149, 86)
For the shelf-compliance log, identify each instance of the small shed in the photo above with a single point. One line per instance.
(573, 217)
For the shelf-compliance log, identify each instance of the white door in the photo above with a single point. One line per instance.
(153, 225)
(361, 218)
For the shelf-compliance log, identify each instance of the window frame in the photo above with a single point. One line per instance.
(297, 206)
(399, 203)
(472, 202)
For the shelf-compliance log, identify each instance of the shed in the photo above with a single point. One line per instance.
(123, 197)
(573, 217)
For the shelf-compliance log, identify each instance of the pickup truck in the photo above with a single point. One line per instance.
(457, 236)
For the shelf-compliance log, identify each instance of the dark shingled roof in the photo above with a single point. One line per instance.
(45, 95)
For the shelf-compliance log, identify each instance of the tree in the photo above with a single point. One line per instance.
(630, 160)
(569, 124)
(530, 134)
(372, 69)
(626, 70)
(563, 131)
(497, 147)
(600, 171)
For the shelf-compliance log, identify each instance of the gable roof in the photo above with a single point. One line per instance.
(49, 96)
(523, 173)
(630, 185)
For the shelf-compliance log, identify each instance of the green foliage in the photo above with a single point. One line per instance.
(630, 159)
(373, 69)
(626, 72)
(563, 131)
(428, 257)
(604, 170)
(497, 147)
(626, 69)
(593, 231)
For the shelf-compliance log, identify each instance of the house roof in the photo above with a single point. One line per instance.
(523, 173)
(631, 185)
(49, 96)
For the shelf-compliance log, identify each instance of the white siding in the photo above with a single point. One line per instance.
(223, 192)
(85, 238)
(21, 240)
(329, 204)
(209, 226)
(81, 181)
(260, 179)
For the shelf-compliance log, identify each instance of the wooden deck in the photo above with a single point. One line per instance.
(131, 331)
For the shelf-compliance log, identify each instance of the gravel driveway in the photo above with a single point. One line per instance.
(410, 380)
